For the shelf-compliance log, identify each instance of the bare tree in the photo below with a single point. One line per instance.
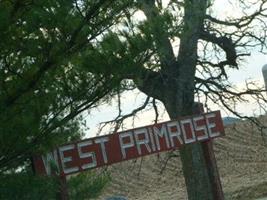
(207, 47)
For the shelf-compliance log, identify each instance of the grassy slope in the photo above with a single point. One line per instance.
(241, 158)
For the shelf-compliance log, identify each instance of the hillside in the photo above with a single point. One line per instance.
(241, 157)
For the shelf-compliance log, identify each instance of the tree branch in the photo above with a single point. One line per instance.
(225, 43)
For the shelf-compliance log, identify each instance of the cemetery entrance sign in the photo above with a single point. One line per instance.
(105, 150)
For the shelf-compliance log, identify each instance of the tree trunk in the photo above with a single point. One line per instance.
(193, 163)
(195, 172)
(177, 84)
(192, 157)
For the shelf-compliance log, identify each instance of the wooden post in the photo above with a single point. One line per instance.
(63, 188)
(213, 173)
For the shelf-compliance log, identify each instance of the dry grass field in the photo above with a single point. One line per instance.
(241, 157)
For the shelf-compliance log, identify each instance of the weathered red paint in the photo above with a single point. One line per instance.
(105, 150)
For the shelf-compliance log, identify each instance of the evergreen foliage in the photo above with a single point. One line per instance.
(44, 88)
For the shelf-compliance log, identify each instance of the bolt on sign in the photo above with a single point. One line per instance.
(105, 150)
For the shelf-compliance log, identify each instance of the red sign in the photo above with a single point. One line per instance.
(105, 150)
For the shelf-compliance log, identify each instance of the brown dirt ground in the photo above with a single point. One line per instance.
(241, 157)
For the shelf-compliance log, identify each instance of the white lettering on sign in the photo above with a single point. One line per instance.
(174, 132)
(160, 133)
(49, 160)
(186, 138)
(64, 159)
(104, 150)
(211, 125)
(144, 141)
(125, 146)
(102, 142)
(87, 154)
(152, 141)
(202, 128)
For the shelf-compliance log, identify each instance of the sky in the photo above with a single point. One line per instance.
(249, 70)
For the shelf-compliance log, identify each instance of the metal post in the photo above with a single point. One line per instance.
(213, 173)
